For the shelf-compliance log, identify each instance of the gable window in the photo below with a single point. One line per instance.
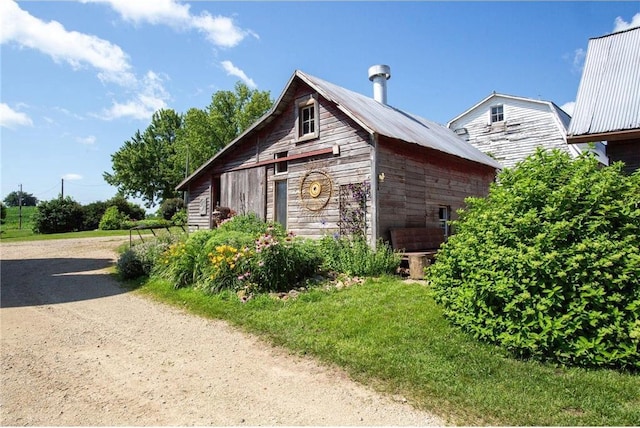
(444, 217)
(307, 118)
(282, 166)
(497, 113)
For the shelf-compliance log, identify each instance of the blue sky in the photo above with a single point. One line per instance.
(79, 78)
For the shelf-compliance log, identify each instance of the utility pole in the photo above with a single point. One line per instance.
(62, 189)
(20, 209)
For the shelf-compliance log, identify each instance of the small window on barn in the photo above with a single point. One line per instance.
(307, 118)
(444, 217)
(497, 113)
(281, 166)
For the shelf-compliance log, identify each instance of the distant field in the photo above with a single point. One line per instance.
(13, 218)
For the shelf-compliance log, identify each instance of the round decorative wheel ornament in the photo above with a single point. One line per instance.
(315, 190)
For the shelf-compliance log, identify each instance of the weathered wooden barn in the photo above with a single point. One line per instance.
(608, 100)
(510, 128)
(325, 159)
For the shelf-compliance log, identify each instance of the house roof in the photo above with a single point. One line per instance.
(374, 117)
(563, 118)
(608, 99)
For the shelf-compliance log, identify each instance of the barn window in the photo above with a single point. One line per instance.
(444, 217)
(497, 113)
(281, 166)
(307, 118)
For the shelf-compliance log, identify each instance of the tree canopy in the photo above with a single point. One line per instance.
(152, 163)
(13, 199)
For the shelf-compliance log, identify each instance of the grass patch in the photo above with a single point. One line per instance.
(392, 335)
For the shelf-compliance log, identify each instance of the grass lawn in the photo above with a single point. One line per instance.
(10, 231)
(390, 334)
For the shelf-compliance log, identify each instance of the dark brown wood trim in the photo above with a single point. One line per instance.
(604, 136)
(285, 159)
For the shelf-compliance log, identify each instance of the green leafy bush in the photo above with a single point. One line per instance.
(58, 216)
(548, 264)
(278, 264)
(3, 213)
(92, 213)
(112, 219)
(180, 218)
(354, 256)
(141, 259)
(169, 207)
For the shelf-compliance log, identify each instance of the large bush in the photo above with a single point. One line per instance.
(3, 213)
(112, 219)
(169, 207)
(548, 265)
(58, 216)
(92, 213)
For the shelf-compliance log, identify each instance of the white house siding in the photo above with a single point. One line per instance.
(526, 126)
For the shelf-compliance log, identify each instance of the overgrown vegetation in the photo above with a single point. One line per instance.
(249, 256)
(547, 265)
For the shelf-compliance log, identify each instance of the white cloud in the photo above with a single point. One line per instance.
(621, 25)
(72, 177)
(569, 107)
(219, 30)
(232, 70)
(578, 60)
(76, 49)
(10, 118)
(89, 140)
(150, 98)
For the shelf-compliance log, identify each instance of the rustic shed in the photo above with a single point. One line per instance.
(325, 159)
(608, 100)
(510, 128)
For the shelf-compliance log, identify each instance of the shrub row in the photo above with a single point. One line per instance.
(247, 254)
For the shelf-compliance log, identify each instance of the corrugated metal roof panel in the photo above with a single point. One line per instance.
(394, 123)
(608, 97)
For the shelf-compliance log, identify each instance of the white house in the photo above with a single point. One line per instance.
(510, 128)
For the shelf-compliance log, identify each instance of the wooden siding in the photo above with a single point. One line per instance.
(352, 165)
(244, 191)
(199, 194)
(527, 125)
(418, 181)
(627, 151)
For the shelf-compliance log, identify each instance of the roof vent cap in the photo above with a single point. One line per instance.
(379, 74)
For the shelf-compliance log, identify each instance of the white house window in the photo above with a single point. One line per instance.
(444, 216)
(282, 166)
(497, 113)
(307, 118)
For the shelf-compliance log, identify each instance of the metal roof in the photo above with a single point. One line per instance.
(609, 93)
(373, 116)
(391, 122)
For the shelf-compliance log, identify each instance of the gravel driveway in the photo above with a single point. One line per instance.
(79, 350)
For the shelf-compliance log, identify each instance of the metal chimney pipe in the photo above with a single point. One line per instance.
(379, 74)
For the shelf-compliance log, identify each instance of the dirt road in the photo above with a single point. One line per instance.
(79, 350)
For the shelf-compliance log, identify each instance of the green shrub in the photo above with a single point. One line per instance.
(112, 219)
(278, 264)
(244, 253)
(547, 265)
(3, 213)
(57, 216)
(251, 224)
(169, 207)
(180, 218)
(142, 258)
(130, 210)
(91, 214)
(354, 256)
